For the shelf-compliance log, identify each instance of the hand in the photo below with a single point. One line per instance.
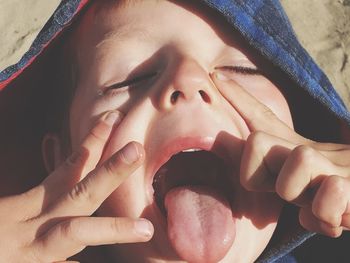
(315, 176)
(52, 222)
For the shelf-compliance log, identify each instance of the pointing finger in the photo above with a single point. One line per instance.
(82, 160)
(256, 114)
(73, 235)
(97, 138)
(310, 222)
(262, 159)
(87, 195)
(331, 201)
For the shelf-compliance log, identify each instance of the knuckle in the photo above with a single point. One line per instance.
(255, 146)
(289, 189)
(296, 173)
(70, 230)
(336, 186)
(284, 192)
(255, 174)
(330, 219)
(288, 193)
(257, 138)
(81, 193)
(303, 155)
(258, 181)
(77, 158)
(119, 226)
(267, 112)
(264, 113)
(95, 135)
(333, 186)
(112, 165)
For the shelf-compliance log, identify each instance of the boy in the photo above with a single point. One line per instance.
(212, 182)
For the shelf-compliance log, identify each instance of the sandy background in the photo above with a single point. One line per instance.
(323, 26)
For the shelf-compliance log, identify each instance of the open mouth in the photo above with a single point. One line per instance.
(192, 167)
(192, 190)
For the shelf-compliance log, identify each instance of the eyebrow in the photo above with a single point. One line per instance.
(126, 32)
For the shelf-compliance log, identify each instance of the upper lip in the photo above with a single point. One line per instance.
(178, 144)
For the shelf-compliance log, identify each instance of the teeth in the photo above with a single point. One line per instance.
(191, 150)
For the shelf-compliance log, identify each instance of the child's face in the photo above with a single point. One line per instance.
(175, 106)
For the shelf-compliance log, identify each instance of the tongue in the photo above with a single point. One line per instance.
(200, 223)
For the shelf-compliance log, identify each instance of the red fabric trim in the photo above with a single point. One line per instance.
(17, 73)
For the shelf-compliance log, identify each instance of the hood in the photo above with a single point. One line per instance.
(264, 26)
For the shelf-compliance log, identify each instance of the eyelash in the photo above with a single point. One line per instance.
(137, 79)
(130, 82)
(241, 70)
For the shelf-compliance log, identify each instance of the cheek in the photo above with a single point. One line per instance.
(277, 103)
(133, 127)
(80, 122)
(85, 111)
(267, 93)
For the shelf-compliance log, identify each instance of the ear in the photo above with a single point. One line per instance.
(51, 152)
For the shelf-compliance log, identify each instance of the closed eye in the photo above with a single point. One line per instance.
(131, 81)
(241, 70)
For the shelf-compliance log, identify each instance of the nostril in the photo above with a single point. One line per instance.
(204, 96)
(175, 96)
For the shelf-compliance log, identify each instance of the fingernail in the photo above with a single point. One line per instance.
(220, 76)
(113, 117)
(143, 228)
(130, 153)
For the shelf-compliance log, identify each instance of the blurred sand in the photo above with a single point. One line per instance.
(323, 26)
(20, 22)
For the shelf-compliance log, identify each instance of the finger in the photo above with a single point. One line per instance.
(97, 139)
(310, 222)
(87, 195)
(262, 158)
(75, 167)
(256, 115)
(86, 157)
(71, 236)
(339, 154)
(29, 204)
(331, 200)
(301, 174)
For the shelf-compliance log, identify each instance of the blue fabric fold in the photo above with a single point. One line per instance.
(266, 27)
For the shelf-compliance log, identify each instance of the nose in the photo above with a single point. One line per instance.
(189, 82)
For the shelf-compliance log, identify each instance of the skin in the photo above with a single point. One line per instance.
(52, 222)
(54, 218)
(159, 45)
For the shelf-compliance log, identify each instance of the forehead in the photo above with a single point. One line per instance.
(115, 32)
(129, 18)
